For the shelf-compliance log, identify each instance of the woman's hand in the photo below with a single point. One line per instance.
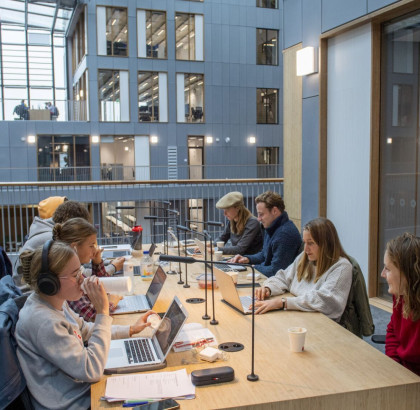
(118, 263)
(239, 259)
(97, 256)
(262, 293)
(141, 324)
(113, 301)
(263, 306)
(97, 295)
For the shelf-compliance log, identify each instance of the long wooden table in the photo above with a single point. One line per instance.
(337, 370)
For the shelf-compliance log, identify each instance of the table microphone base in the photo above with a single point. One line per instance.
(186, 285)
(172, 272)
(252, 377)
(180, 282)
(214, 322)
(205, 317)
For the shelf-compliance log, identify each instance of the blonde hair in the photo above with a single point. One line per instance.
(75, 230)
(324, 234)
(237, 227)
(404, 253)
(58, 256)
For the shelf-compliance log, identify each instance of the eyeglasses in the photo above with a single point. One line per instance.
(77, 277)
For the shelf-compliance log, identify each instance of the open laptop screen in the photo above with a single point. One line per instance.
(170, 326)
(155, 286)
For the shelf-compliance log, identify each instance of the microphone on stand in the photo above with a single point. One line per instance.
(185, 230)
(252, 377)
(152, 221)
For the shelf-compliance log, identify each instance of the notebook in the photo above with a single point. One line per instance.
(221, 266)
(142, 303)
(145, 354)
(230, 293)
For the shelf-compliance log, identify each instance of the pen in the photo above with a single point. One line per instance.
(133, 404)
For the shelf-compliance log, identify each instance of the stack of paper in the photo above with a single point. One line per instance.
(194, 335)
(150, 386)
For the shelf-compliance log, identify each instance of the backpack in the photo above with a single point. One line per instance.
(56, 113)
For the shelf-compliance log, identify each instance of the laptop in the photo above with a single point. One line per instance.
(222, 266)
(115, 251)
(142, 303)
(145, 354)
(230, 293)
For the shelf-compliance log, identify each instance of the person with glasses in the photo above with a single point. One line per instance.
(60, 353)
(402, 274)
(81, 236)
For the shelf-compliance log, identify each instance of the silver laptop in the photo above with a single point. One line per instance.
(142, 303)
(230, 293)
(222, 266)
(144, 354)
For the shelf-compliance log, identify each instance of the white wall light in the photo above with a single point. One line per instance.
(306, 61)
(31, 139)
(252, 140)
(95, 139)
(154, 139)
(209, 140)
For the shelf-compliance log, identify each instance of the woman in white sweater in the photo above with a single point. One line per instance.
(61, 354)
(319, 278)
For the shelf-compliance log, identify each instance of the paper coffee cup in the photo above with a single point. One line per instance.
(220, 244)
(120, 285)
(297, 339)
(218, 255)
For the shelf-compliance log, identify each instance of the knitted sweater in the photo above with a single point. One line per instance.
(281, 245)
(328, 295)
(250, 241)
(57, 366)
(403, 339)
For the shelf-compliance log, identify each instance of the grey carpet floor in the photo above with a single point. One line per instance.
(381, 319)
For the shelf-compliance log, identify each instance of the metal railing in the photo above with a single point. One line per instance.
(119, 172)
(194, 199)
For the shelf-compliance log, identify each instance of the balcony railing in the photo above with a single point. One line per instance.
(118, 172)
(194, 199)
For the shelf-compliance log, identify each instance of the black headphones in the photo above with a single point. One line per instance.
(48, 282)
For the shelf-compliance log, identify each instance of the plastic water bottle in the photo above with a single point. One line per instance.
(146, 266)
(129, 270)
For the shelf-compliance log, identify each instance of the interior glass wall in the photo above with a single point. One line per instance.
(267, 106)
(151, 34)
(399, 139)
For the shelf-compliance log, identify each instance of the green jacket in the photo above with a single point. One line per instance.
(357, 317)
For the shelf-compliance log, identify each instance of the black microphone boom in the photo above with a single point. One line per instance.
(215, 223)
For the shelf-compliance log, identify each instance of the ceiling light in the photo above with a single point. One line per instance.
(31, 139)
(154, 139)
(94, 139)
(252, 140)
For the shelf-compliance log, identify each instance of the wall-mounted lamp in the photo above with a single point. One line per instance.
(227, 140)
(306, 61)
(389, 140)
(31, 139)
(252, 140)
(154, 139)
(209, 140)
(94, 139)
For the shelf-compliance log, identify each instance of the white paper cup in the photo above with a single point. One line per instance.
(218, 255)
(297, 339)
(118, 285)
(220, 244)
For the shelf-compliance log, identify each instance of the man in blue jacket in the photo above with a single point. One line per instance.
(281, 237)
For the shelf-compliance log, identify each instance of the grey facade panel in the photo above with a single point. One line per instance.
(378, 4)
(337, 12)
(292, 22)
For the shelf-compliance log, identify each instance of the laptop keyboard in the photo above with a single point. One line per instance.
(229, 268)
(138, 351)
(246, 302)
(133, 303)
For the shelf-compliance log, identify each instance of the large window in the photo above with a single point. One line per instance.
(112, 31)
(113, 95)
(63, 158)
(399, 198)
(267, 162)
(151, 34)
(189, 36)
(267, 106)
(268, 4)
(190, 97)
(153, 99)
(267, 46)
(79, 41)
(79, 108)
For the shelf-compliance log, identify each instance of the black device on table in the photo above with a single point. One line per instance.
(167, 404)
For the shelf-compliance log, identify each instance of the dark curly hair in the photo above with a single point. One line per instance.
(70, 209)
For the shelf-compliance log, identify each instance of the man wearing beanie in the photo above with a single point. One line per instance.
(282, 240)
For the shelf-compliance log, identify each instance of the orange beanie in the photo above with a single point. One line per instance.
(47, 206)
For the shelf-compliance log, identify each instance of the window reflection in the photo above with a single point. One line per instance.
(194, 97)
(267, 106)
(269, 4)
(267, 46)
(109, 95)
(116, 31)
(155, 34)
(148, 96)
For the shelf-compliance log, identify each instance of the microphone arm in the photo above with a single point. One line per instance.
(185, 230)
(186, 259)
(213, 321)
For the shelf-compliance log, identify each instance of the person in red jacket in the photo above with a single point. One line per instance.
(402, 272)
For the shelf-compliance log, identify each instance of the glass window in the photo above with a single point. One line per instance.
(112, 31)
(151, 32)
(152, 94)
(267, 162)
(190, 102)
(79, 41)
(63, 158)
(79, 106)
(267, 46)
(399, 181)
(113, 95)
(268, 4)
(267, 106)
(189, 39)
